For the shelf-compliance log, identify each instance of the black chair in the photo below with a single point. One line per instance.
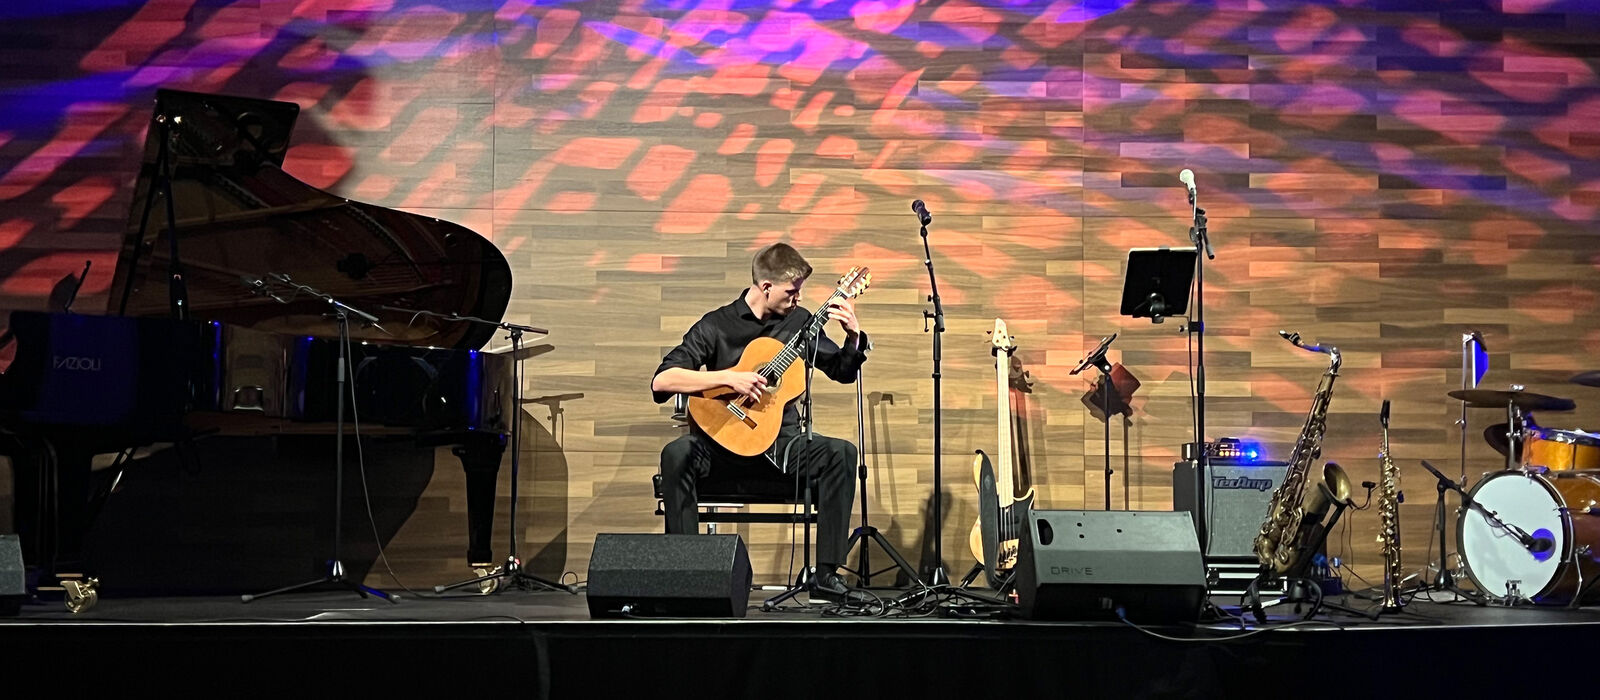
(724, 494)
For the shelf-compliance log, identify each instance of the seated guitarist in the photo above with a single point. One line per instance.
(769, 307)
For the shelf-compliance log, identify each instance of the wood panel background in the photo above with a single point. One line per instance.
(1382, 178)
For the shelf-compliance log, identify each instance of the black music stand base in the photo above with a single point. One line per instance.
(336, 577)
(508, 576)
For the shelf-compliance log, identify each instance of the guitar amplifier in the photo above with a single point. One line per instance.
(1228, 500)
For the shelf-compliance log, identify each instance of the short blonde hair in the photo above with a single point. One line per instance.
(779, 263)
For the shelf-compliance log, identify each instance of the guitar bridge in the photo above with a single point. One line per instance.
(741, 415)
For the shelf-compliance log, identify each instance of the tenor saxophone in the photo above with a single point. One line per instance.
(1389, 516)
(1294, 522)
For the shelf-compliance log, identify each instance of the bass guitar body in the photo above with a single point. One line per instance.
(1001, 518)
(739, 425)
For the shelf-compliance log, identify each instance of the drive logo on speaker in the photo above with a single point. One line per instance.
(1241, 482)
(1073, 571)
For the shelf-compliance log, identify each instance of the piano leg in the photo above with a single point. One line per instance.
(51, 479)
(480, 459)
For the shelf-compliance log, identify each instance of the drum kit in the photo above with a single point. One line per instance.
(1531, 532)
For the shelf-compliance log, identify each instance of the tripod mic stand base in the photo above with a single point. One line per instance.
(335, 576)
(806, 583)
(866, 535)
(509, 576)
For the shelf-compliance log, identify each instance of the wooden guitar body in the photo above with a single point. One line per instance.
(756, 430)
(746, 427)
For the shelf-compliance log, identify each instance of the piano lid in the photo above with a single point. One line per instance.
(240, 217)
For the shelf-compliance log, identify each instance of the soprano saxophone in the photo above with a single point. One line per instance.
(1294, 523)
(1389, 515)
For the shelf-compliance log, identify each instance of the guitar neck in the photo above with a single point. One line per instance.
(1003, 468)
(792, 349)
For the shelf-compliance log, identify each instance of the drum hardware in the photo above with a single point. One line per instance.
(1513, 594)
(1474, 364)
(1555, 564)
(1517, 403)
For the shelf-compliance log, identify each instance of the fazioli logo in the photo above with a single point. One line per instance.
(77, 364)
(1241, 482)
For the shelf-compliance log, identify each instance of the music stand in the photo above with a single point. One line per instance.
(1156, 284)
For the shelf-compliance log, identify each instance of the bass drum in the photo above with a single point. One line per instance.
(1554, 509)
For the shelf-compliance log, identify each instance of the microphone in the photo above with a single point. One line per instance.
(922, 212)
(1539, 545)
(260, 288)
(1186, 176)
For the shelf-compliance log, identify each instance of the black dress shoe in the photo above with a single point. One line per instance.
(831, 587)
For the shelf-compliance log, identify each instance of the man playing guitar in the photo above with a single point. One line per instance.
(768, 308)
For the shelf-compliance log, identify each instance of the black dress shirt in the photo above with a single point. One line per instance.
(716, 341)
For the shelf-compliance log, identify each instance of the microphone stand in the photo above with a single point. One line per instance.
(510, 573)
(335, 571)
(1199, 237)
(806, 582)
(937, 576)
(1445, 483)
(867, 534)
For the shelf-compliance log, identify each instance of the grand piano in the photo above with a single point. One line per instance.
(212, 332)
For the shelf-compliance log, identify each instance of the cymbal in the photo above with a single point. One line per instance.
(1587, 378)
(1525, 400)
(1495, 435)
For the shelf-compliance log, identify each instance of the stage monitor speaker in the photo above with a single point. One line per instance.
(13, 582)
(1088, 564)
(639, 575)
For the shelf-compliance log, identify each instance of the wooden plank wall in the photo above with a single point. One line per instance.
(1382, 179)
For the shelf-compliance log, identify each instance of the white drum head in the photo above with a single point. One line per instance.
(1496, 558)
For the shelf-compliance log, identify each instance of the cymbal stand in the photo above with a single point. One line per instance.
(510, 574)
(335, 570)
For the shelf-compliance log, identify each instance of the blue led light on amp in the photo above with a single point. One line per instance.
(1243, 452)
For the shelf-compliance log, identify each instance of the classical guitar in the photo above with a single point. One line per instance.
(1002, 509)
(746, 427)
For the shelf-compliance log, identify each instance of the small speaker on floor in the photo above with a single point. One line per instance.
(13, 580)
(639, 575)
(1087, 564)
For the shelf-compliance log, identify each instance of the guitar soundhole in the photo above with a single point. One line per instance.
(1047, 534)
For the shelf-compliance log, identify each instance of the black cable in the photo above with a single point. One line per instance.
(1122, 615)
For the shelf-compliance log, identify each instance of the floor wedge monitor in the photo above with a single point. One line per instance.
(1095, 565)
(639, 575)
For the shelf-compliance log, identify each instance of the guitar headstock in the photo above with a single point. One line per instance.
(1002, 340)
(854, 283)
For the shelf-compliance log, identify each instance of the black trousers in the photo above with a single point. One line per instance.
(830, 462)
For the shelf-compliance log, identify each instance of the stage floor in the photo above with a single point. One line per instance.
(547, 644)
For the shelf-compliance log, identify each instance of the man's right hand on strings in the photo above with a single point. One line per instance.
(749, 384)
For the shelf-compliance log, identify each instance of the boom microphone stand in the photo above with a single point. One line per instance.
(937, 575)
(511, 573)
(335, 573)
